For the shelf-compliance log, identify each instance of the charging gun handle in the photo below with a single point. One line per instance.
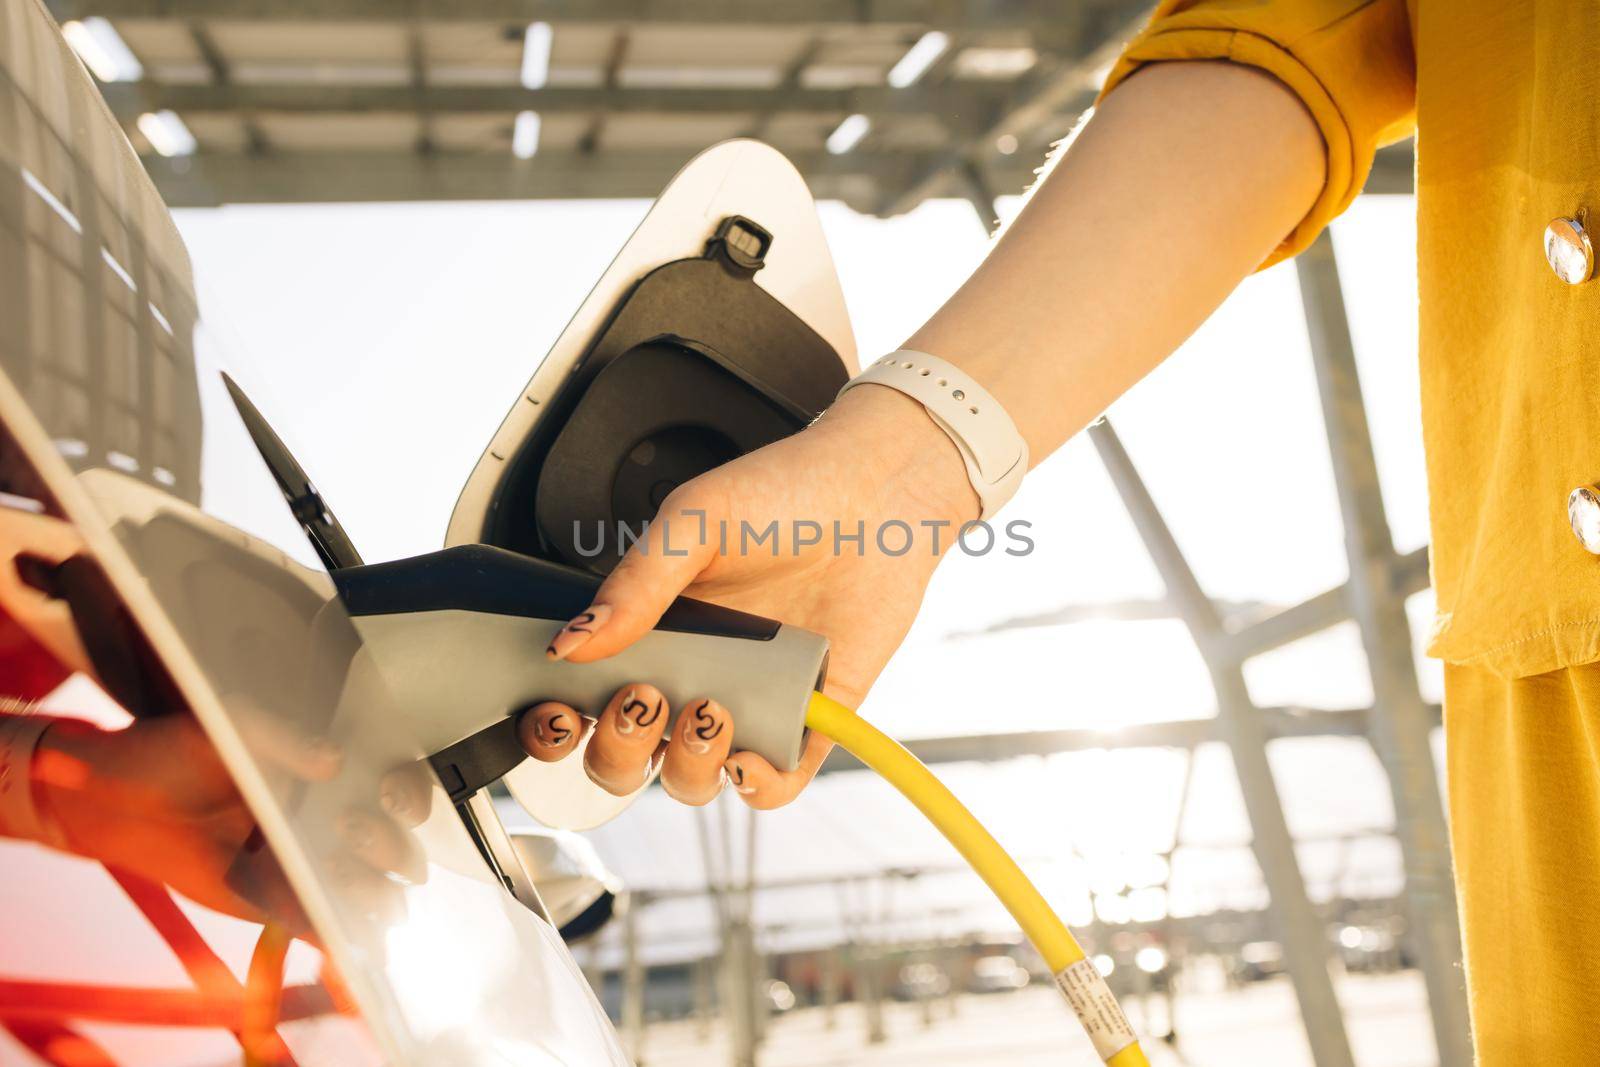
(460, 637)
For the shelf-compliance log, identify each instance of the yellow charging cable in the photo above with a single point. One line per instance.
(1076, 975)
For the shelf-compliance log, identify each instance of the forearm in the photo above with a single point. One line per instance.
(1189, 175)
(1185, 180)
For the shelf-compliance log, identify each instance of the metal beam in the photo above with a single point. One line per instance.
(948, 103)
(417, 68)
(981, 195)
(1137, 609)
(790, 82)
(1300, 929)
(863, 179)
(1062, 86)
(611, 78)
(841, 14)
(860, 179)
(222, 74)
(1393, 169)
(1265, 627)
(1221, 931)
(1410, 575)
(1183, 733)
(209, 179)
(1401, 728)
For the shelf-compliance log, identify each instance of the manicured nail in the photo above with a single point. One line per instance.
(701, 726)
(636, 714)
(575, 633)
(553, 732)
(736, 772)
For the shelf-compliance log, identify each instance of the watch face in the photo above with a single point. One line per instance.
(260, 855)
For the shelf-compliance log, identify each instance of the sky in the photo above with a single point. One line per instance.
(388, 341)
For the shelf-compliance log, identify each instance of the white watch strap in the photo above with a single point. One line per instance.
(994, 452)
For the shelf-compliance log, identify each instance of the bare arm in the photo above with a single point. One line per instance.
(1185, 180)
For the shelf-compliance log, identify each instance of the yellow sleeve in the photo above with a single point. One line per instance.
(1350, 62)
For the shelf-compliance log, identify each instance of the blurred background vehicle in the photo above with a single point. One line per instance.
(997, 974)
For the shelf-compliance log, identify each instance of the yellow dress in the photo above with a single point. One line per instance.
(1504, 96)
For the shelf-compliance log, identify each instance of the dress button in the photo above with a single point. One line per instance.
(1568, 250)
(1583, 511)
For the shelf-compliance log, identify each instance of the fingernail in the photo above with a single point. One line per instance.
(357, 831)
(322, 750)
(702, 726)
(394, 801)
(553, 732)
(635, 714)
(579, 630)
(736, 772)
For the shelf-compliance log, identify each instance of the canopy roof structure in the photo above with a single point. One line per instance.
(881, 103)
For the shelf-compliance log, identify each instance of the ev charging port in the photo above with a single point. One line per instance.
(698, 364)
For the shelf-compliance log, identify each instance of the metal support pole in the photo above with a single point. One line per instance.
(869, 979)
(870, 964)
(704, 1002)
(980, 194)
(955, 967)
(632, 983)
(1300, 928)
(928, 955)
(759, 1014)
(832, 973)
(593, 972)
(738, 992)
(1175, 946)
(732, 908)
(1401, 724)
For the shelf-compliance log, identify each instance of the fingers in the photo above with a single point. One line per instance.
(641, 587)
(630, 738)
(762, 786)
(283, 743)
(578, 631)
(551, 731)
(46, 541)
(381, 844)
(622, 752)
(406, 794)
(368, 890)
(692, 770)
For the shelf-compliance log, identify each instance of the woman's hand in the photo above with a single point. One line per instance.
(873, 465)
(154, 798)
